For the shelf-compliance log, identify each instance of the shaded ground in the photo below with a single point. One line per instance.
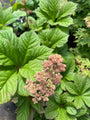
(6, 1)
(7, 111)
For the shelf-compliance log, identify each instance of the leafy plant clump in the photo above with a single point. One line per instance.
(38, 72)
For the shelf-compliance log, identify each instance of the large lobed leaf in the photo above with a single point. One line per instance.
(56, 12)
(14, 54)
(79, 91)
(8, 85)
(58, 110)
(30, 49)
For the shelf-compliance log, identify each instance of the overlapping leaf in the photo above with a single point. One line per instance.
(53, 37)
(8, 53)
(30, 48)
(79, 91)
(58, 110)
(27, 42)
(21, 83)
(8, 85)
(10, 36)
(57, 13)
(7, 16)
(30, 69)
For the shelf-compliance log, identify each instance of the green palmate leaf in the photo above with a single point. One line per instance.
(10, 36)
(30, 48)
(67, 9)
(86, 98)
(1, 14)
(36, 106)
(41, 14)
(8, 53)
(81, 111)
(36, 25)
(65, 22)
(12, 17)
(17, 6)
(27, 42)
(53, 37)
(8, 85)
(57, 95)
(30, 69)
(52, 110)
(23, 110)
(53, 8)
(21, 83)
(7, 16)
(40, 53)
(71, 110)
(78, 102)
(58, 110)
(72, 89)
(56, 13)
(70, 66)
(80, 86)
(62, 115)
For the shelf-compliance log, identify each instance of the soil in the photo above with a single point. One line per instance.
(7, 111)
(6, 1)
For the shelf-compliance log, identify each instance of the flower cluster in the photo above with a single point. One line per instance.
(46, 79)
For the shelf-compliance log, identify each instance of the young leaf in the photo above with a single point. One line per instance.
(23, 110)
(21, 83)
(52, 110)
(81, 87)
(30, 69)
(53, 37)
(58, 110)
(8, 85)
(70, 66)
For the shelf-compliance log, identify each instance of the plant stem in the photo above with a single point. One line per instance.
(31, 115)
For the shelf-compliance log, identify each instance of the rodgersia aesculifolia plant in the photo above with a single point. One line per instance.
(37, 84)
(46, 79)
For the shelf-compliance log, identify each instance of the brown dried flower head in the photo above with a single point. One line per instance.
(46, 79)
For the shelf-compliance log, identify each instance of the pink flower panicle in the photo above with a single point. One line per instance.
(46, 79)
